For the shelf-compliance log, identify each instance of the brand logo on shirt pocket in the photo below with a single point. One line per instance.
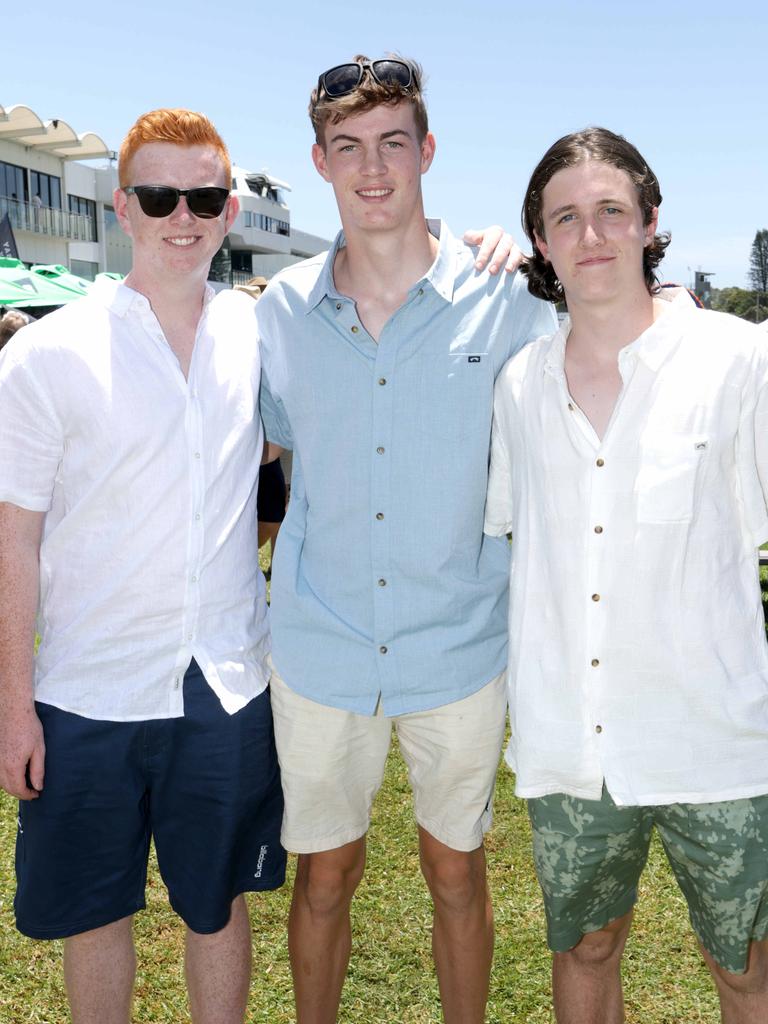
(665, 486)
(474, 359)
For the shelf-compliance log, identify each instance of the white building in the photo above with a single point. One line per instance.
(61, 209)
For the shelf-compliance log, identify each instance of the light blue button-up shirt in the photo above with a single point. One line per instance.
(383, 584)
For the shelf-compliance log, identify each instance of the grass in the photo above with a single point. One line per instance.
(391, 980)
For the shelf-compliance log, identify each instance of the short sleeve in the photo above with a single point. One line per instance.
(31, 438)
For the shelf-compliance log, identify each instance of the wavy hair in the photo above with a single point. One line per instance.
(589, 144)
(324, 110)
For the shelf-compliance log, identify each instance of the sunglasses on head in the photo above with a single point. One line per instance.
(162, 200)
(345, 78)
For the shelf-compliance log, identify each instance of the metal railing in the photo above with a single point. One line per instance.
(46, 220)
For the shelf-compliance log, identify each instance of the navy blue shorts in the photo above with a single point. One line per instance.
(205, 788)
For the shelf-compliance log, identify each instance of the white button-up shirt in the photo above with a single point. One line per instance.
(148, 481)
(637, 643)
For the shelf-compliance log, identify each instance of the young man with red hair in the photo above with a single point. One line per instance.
(128, 474)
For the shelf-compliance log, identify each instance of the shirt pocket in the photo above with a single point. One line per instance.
(670, 466)
(457, 400)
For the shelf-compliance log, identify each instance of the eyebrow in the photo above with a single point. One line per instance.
(341, 137)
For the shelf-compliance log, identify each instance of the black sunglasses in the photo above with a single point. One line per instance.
(162, 200)
(345, 78)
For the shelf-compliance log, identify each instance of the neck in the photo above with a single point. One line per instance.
(606, 328)
(385, 262)
(171, 298)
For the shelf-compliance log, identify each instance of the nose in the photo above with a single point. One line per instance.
(182, 211)
(591, 233)
(373, 160)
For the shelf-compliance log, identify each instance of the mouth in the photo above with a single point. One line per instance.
(595, 261)
(374, 193)
(183, 242)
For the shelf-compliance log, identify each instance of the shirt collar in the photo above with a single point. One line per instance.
(119, 298)
(441, 276)
(653, 346)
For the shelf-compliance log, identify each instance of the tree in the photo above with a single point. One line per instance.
(739, 302)
(758, 262)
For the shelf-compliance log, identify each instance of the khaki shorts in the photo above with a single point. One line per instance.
(332, 765)
(589, 855)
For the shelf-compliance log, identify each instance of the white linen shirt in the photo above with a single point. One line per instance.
(637, 644)
(148, 481)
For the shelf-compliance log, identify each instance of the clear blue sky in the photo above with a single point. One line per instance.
(686, 82)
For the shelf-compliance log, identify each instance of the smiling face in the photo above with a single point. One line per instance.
(181, 243)
(594, 233)
(375, 161)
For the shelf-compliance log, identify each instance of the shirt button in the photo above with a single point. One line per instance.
(354, 328)
(595, 662)
(338, 305)
(197, 516)
(382, 381)
(598, 529)
(383, 650)
(421, 291)
(595, 597)
(194, 579)
(382, 583)
(598, 728)
(570, 406)
(380, 450)
(379, 515)
(600, 462)
(197, 455)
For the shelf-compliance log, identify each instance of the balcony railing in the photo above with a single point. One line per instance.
(45, 220)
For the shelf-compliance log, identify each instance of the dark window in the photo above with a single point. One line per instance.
(86, 208)
(13, 182)
(48, 187)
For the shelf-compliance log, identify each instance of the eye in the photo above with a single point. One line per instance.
(393, 144)
(612, 210)
(348, 148)
(567, 218)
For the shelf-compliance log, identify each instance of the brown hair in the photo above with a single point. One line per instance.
(181, 127)
(11, 322)
(570, 150)
(369, 94)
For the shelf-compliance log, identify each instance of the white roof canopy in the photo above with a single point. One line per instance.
(24, 126)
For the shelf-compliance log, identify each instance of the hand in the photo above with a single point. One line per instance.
(497, 243)
(22, 753)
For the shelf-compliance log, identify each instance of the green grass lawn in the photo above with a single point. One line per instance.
(391, 980)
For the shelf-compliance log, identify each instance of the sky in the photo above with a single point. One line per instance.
(685, 82)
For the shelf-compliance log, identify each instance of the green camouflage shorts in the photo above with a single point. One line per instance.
(589, 855)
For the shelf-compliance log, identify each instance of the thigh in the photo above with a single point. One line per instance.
(216, 805)
(589, 855)
(332, 764)
(719, 854)
(452, 753)
(82, 845)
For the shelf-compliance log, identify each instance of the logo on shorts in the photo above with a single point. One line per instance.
(260, 862)
(18, 822)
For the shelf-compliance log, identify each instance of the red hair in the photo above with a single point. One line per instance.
(180, 127)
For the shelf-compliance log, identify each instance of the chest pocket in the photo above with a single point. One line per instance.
(670, 466)
(457, 398)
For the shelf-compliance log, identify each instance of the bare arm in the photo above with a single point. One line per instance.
(271, 452)
(22, 748)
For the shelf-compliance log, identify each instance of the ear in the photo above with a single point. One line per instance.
(233, 208)
(320, 161)
(652, 225)
(541, 245)
(428, 147)
(120, 203)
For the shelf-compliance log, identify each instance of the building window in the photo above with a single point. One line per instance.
(48, 187)
(84, 268)
(85, 208)
(13, 182)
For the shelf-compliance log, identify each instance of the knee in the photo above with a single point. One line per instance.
(599, 949)
(753, 982)
(327, 882)
(457, 880)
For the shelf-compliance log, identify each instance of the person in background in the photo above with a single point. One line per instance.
(12, 321)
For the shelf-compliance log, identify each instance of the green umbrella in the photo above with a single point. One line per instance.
(22, 287)
(62, 276)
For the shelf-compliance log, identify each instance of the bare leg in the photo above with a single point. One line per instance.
(218, 970)
(99, 970)
(462, 933)
(743, 997)
(586, 981)
(319, 931)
